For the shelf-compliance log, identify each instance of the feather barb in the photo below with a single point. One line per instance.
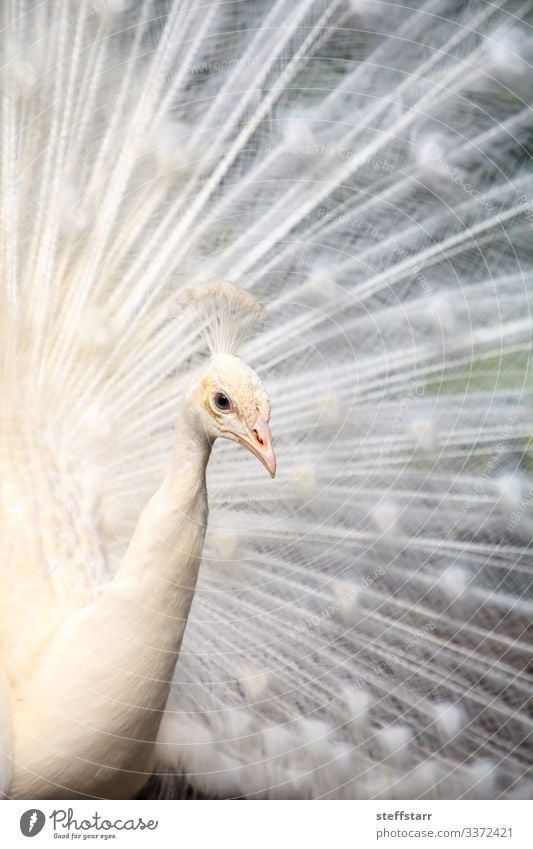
(228, 314)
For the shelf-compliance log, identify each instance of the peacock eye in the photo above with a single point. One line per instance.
(222, 402)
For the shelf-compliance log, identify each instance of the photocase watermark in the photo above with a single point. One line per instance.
(70, 21)
(65, 824)
(343, 602)
(225, 64)
(32, 822)
(456, 176)
(528, 212)
(135, 91)
(415, 638)
(29, 211)
(312, 149)
(491, 464)
(397, 252)
(518, 514)
(84, 155)
(220, 497)
(355, 223)
(416, 275)
(406, 404)
(100, 8)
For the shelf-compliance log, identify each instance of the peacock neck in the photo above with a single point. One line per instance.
(112, 662)
(161, 564)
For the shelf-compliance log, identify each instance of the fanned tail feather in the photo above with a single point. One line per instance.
(362, 629)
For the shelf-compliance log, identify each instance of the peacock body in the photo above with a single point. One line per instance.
(361, 626)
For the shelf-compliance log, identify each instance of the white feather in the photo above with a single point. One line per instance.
(359, 625)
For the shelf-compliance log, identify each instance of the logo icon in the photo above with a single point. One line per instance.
(32, 822)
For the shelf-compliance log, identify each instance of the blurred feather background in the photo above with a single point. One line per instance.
(362, 628)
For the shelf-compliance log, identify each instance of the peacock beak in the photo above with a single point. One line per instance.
(259, 442)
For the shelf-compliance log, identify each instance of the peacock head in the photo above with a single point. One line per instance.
(229, 401)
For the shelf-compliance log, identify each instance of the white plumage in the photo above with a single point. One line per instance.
(361, 625)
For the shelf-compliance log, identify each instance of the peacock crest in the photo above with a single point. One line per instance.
(228, 315)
